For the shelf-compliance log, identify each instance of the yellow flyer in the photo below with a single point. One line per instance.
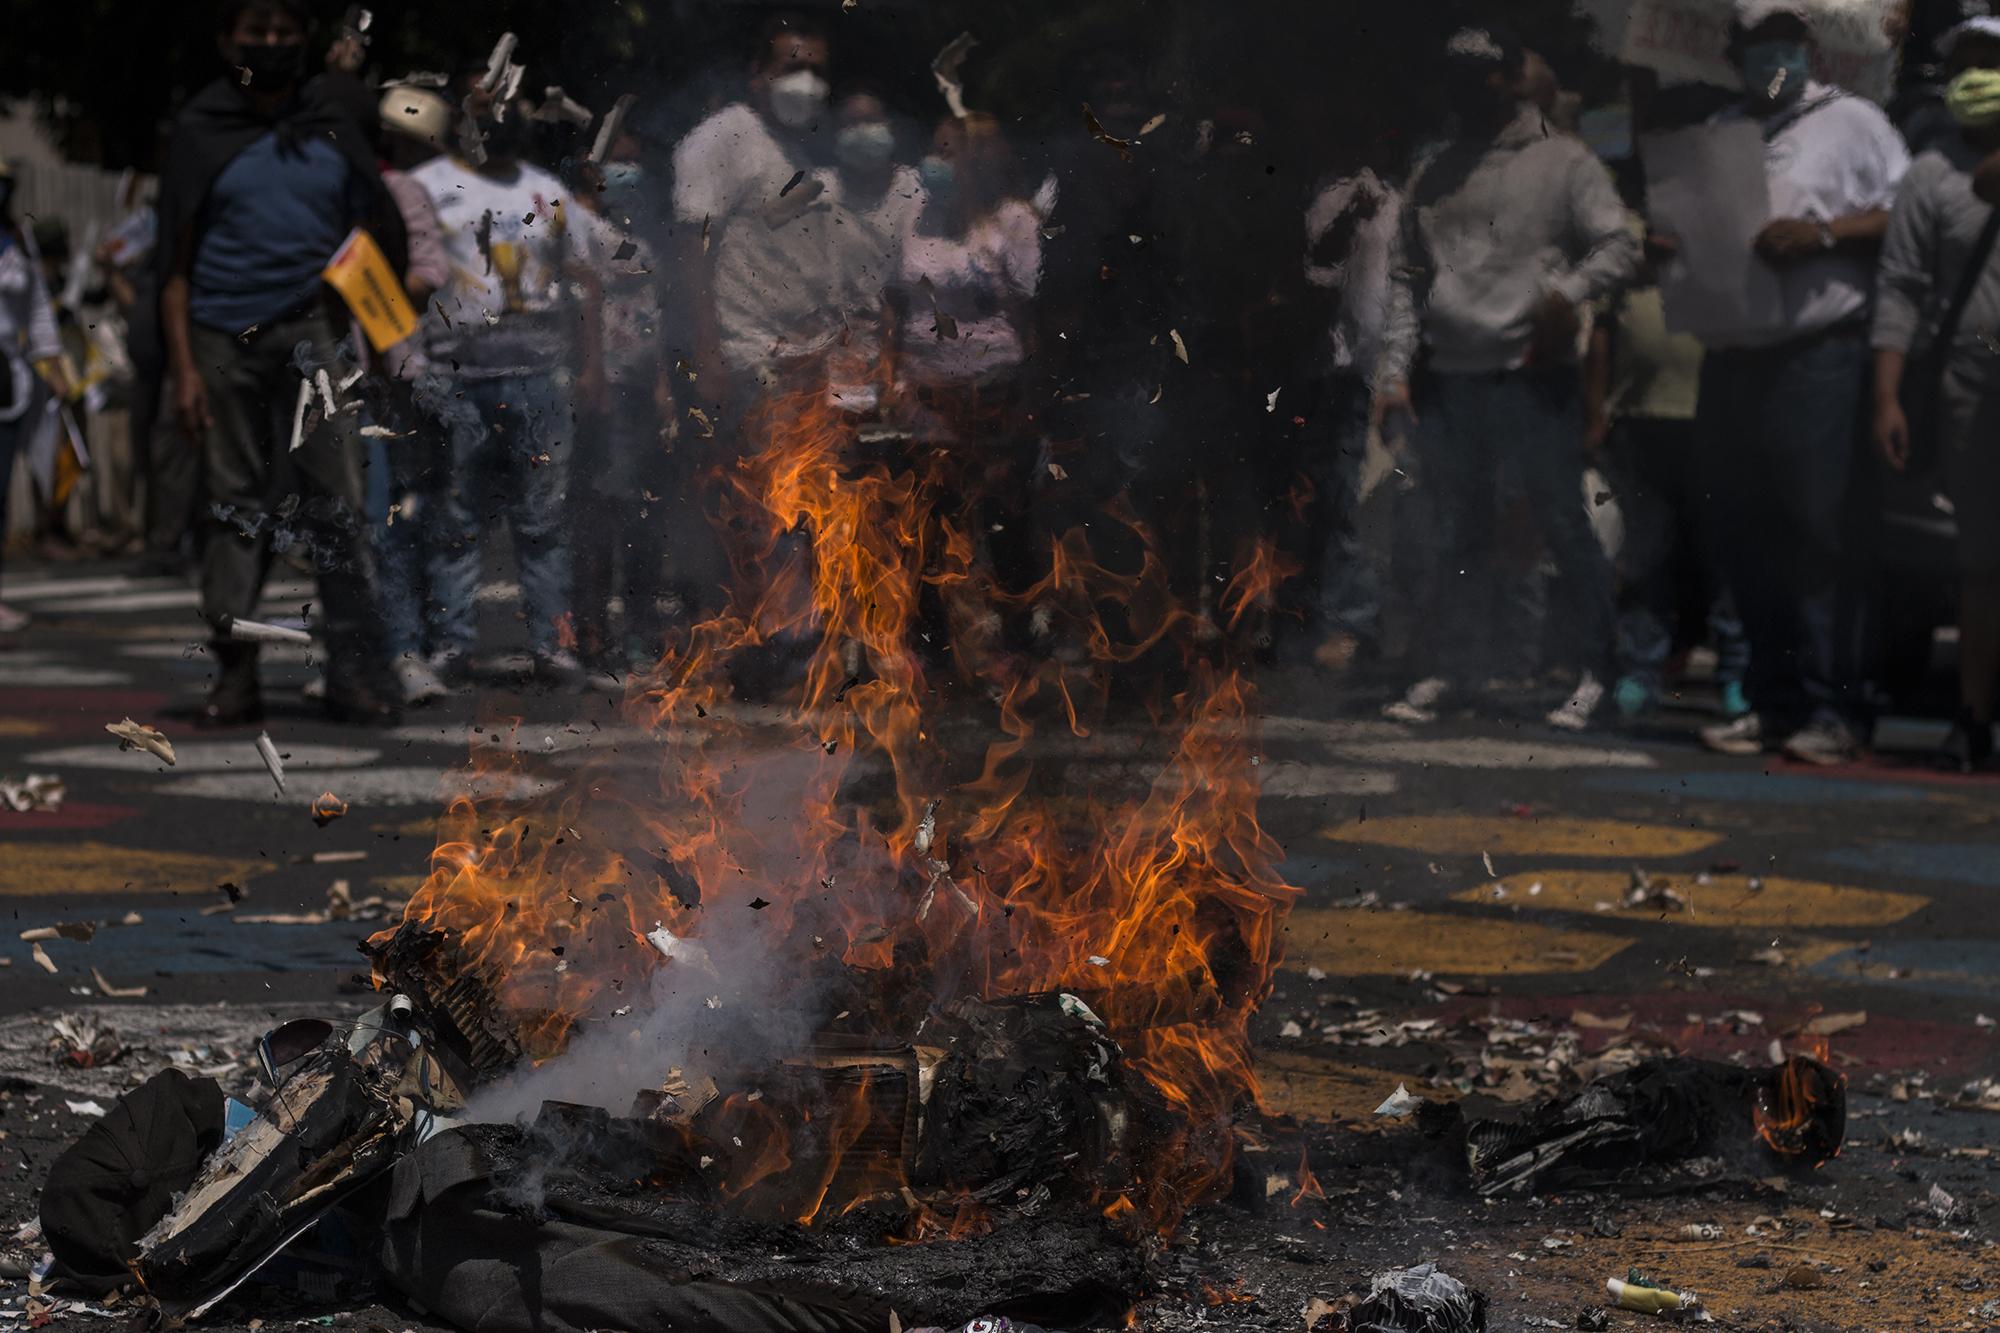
(361, 274)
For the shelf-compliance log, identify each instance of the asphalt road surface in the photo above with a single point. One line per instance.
(1465, 878)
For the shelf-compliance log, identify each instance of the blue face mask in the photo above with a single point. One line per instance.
(623, 178)
(940, 174)
(1775, 72)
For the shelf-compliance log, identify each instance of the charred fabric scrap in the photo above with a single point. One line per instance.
(1658, 1127)
(680, 1214)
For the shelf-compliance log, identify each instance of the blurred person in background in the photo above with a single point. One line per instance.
(630, 490)
(1507, 232)
(880, 201)
(1351, 228)
(32, 347)
(166, 472)
(1640, 389)
(264, 181)
(1938, 260)
(1780, 424)
(405, 469)
(969, 271)
(751, 208)
(502, 335)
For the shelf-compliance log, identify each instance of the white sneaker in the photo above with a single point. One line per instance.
(1419, 704)
(1575, 714)
(421, 685)
(12, 619)
(1742, 737)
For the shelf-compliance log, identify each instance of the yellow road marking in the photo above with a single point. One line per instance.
(1379, 943)
(1469, 835)
(22, 726)
(29, 869)
(1726, 902)
(1312, 1087)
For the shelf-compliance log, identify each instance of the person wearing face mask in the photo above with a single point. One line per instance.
(265, 176)
(880, 201)
(1939, 256)
(1507, 232)
(1781, 454)
(752, 214)
(500, 336)
(632, 486)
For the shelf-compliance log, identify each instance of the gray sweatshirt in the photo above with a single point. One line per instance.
(1490, 229)
(1935, 225)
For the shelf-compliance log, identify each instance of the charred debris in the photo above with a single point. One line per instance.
(871, 1182)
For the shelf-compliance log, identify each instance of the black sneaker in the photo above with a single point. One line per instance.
(1967, 748)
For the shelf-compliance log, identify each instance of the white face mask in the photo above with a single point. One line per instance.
(798, 97)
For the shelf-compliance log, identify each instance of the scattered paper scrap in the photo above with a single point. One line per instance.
(258, 631)
(1180, 348)
(1827, 1025)
(269, 754)
(1399, 1103)
(1122, 147)
(37, 791)
(326, 808)
(83, 1108)
(80, 931)
(41, 957)
(133, 736)
(110, 991)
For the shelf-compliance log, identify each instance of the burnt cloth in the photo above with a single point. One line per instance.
(111, 1185)
(454, 1240)
(501, 1232)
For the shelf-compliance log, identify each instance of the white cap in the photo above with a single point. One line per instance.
(1752, 13)
(416, 113)
(1988, 27)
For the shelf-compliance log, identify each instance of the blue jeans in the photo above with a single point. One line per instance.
(1481, 438)
(402, 491)
(507, 444)
(1666, 579)
(1347, 572)
(1782, 470)
(10, 439)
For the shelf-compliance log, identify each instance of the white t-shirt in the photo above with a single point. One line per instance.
(977, 282)
(509, 244)
(1841, 158)
(769, 215)
(633, 340)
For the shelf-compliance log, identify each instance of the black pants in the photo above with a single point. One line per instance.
(258, 489)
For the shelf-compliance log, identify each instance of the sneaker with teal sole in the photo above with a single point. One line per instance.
(1735, 703)
(1632, 696)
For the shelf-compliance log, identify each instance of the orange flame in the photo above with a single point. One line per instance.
(1309, 1187)
(1162, 910)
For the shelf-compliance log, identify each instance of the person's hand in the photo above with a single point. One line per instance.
(1892, 434)
(1788, 240)
(1556, 325)
(191, 406)
(1986, 179)
(1393, 400)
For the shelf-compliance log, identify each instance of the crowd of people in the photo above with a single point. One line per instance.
(601, 312)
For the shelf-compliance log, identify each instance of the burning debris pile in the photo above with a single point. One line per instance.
(868, 1025)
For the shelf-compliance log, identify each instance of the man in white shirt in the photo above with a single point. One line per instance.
(1781, 408)
(501, 335)
(753, 213)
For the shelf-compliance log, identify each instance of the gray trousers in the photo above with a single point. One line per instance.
(258, 491)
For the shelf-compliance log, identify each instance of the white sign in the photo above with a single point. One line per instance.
(1707, 187)
(1689, 40)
